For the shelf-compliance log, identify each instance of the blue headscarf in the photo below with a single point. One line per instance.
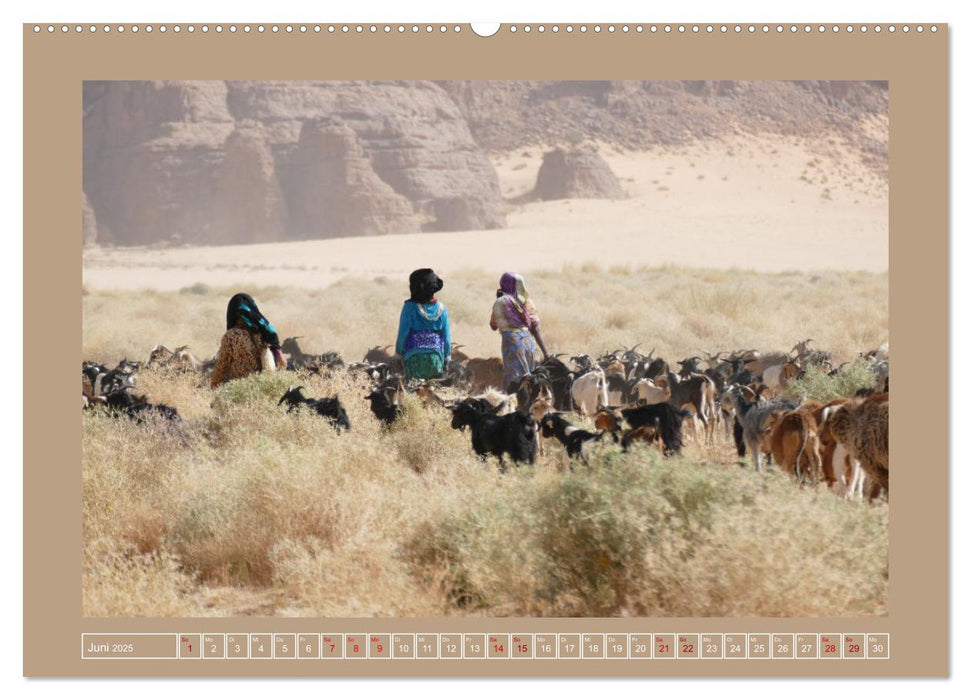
(243, 308)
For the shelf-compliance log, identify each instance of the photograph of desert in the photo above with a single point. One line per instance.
(485, 348)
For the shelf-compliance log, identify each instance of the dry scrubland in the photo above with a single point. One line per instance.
(767, 203)
(244, 509)
(587, 308)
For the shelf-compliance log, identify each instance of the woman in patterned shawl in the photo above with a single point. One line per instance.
(249, 345)
(424, 333)
(515, 317)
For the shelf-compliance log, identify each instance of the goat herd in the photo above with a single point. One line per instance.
(630, 397)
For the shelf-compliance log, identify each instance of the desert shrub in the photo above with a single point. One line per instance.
(438, 555)
(635, 534)
(260, 387)
(817, 384)
(199, 288)
(590, 547)
(420, 440)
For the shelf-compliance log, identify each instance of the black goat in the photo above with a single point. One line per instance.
(531, 385)
(386, 401)
(456, 373)
(560, 379)
(572, 437)
(740, 374)
(331, 408)
(689, 366)
(315, 364)
(513, 434)
(105, 381)
(665, 417)
(121, 402)
(464, 412)
(582, 362)
(378, 372)
(697, 390)
(649, 368)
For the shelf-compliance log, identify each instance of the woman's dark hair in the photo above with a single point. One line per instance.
(242, 308)
(423, 284)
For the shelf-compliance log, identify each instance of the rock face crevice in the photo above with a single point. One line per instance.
(255, 161)
(89, 223)
(249, 206)
(334, 191)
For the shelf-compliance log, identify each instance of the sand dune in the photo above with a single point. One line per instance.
(769, 204)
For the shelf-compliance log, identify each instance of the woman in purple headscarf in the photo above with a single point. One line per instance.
(515, 317)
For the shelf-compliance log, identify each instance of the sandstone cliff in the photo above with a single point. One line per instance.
(240, 162)
(222, 162)
(639, 114)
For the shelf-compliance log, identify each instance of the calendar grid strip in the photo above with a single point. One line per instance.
(498, 646)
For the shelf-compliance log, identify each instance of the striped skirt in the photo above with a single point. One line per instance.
(518, 355)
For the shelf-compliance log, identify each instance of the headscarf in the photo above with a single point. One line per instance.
(243, 308)
(423, 284)
(513, 287)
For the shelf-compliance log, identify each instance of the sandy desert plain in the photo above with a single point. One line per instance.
(755, 243)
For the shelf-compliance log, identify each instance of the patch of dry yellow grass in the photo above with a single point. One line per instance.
(583, 309)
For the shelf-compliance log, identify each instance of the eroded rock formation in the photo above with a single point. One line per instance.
(241, 162)
(576, 173)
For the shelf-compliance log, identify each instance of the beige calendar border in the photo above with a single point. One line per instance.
(55, 64)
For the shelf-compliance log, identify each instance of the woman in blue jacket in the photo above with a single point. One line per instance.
(424, 335)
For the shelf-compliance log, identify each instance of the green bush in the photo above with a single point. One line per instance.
(260, 387)
(817, 384)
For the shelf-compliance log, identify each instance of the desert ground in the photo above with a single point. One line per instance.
(243, 509)
(769, 204)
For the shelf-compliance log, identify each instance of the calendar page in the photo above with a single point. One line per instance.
(465, 350)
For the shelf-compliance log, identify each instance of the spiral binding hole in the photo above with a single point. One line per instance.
(513, 29)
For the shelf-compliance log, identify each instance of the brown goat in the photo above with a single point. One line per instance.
(646, 433)
(485, 373)
(607, 419)
(795, 445)
(428, 396)
(863, 428)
